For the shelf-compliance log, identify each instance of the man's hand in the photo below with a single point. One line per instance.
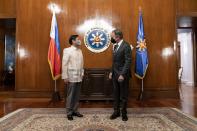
(110, 75)
(120, 78)
(66, 81)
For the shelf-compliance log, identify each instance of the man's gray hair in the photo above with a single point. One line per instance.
(118, 32)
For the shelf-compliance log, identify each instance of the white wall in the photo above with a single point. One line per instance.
(185, 39)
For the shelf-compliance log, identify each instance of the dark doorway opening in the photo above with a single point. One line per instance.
(7, 54)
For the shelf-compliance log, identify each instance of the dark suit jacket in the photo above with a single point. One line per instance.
(122, 61)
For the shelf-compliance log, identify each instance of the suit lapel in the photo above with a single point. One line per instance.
(120, 47)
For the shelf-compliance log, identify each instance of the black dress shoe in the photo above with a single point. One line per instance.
(70, 117)
(124, 117)
(114, 115)
(77, 114)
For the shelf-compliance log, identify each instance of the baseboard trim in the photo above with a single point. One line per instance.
(149, 94)
(133, 93)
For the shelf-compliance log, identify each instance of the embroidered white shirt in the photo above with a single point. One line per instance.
(72, 64)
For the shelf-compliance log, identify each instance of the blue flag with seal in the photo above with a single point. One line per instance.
(141, 63)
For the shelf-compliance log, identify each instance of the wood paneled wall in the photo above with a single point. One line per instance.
(8, 8)
(33, 27)
(187, 7)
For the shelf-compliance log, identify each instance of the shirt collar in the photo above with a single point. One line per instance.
(119, 43)
(73, 47)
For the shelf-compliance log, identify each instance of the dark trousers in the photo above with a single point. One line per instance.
(120, 94)
(73, 95)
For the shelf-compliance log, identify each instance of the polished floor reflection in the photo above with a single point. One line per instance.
(187, 103)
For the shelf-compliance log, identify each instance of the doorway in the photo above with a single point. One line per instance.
(7, 54)
(186, 34)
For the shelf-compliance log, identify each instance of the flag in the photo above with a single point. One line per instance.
(54, 50)
(141, 63)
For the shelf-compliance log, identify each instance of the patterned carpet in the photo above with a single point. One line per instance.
(140, 119)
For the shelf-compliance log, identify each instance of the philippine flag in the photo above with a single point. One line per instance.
(54, 50)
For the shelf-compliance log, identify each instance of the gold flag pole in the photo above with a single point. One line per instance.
(55, 86)
(55, 95)
(140, 97)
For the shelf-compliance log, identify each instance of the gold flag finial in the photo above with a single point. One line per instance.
(140, 8)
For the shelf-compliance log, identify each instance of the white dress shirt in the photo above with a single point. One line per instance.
(72, 64)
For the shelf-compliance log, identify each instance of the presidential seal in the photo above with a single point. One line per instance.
(97, 40)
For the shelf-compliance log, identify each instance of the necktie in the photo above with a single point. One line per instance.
(115, 47)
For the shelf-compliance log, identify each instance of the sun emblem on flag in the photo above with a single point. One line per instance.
(141, 45)
(97, 40)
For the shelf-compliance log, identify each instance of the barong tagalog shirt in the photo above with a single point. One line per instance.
(72, 64)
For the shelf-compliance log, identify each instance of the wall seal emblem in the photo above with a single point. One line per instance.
(97, 40)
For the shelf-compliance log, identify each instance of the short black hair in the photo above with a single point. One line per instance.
(72, 37)
(118, 32)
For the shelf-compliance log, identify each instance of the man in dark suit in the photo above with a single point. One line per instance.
(120, 74)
